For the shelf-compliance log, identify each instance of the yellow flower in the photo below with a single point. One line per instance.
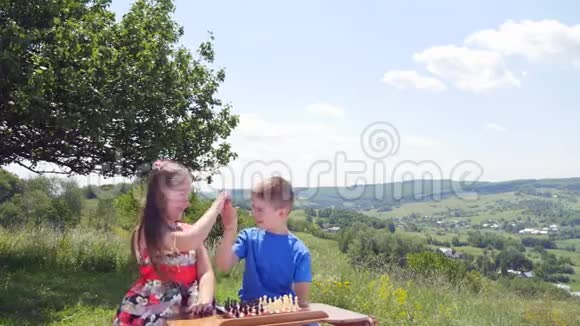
(401, 296)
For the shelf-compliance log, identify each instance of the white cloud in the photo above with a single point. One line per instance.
(325, 110)
(418, 142)
(478, 64)
(544, 40)
(406, 79)
(496, 127)
(304, 147)
(272, 138)
(467, 69)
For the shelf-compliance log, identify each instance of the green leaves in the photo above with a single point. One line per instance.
(108, 93)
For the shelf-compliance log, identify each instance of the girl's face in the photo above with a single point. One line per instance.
(177, 201)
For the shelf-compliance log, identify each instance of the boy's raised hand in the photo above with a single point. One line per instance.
(229, 216)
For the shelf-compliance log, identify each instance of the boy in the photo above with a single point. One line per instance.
(277, 262)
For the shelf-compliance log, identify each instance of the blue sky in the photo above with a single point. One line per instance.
(494, 82)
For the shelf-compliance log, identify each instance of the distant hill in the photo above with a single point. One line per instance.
(387, 195)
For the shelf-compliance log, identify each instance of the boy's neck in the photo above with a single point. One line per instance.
(282, 229)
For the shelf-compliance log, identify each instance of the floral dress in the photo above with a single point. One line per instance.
(151, 301)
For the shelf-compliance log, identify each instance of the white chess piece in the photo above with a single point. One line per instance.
(285, 303)
(278, 308)
(295, 306)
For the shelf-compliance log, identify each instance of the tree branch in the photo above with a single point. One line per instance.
(41, 172)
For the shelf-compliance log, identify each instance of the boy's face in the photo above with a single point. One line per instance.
(266, 215)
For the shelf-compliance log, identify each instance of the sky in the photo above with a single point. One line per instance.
(335, 93)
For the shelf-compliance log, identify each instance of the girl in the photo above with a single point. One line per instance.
(175, 273)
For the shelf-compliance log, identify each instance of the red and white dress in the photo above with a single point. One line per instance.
(151, 301)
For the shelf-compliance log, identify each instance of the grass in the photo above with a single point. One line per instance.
(58, 294)
(575, 281)
(431, 208)
(508, 215)
(74, 250)
(298, 214)
(569, 242)
(575, 258)
(473, 251)
(71, 278)
(53, 297)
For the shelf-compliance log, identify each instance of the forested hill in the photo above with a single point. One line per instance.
(386, 195)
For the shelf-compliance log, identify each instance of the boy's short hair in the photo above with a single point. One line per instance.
(276, 190)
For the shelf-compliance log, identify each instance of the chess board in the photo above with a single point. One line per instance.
(284, 318)
(265, 311)
(287, 319)
(318, 312)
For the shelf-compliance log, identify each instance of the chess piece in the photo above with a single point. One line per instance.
(277, 305)
(295, 306)
(284, 303)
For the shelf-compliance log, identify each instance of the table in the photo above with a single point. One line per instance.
(343, 317)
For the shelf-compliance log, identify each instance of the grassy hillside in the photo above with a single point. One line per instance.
(80, 276)
(508, 206)
(57, 296)
(453, 217)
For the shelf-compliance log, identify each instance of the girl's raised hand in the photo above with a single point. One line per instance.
(229, 216)
(219, 202)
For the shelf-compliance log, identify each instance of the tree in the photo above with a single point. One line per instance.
(309, 211)
(320, 223)
(60, 215)
(90, 94)
(35, 206)
(11, 214)
(104, 217)
(128, 206)
(484, 265)
(10, 185)
(512, 258)
(72, 196)
(48, 186)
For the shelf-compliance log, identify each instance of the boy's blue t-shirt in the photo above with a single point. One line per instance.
(273, 263)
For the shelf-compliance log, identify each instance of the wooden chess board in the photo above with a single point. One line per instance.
(318, 312)
(284, 318)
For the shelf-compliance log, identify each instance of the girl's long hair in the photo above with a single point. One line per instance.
(165, 176)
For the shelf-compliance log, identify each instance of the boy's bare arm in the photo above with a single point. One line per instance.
(225, 257)
(302, 290)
